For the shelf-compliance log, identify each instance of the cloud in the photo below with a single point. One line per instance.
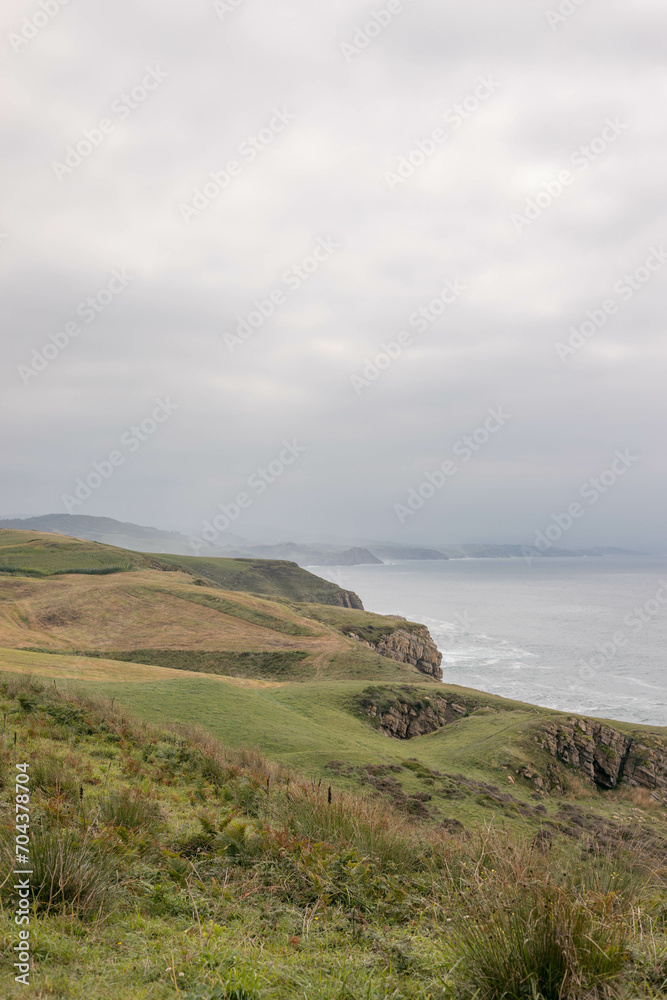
(324, 177)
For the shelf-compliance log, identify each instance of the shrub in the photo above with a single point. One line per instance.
(539, 941)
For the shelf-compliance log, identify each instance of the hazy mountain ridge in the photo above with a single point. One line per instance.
(141, 538)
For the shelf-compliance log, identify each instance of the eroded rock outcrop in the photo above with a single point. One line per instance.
(345, 599)
(646, 764)
(607, 756)
(415, 647)
(403, 720)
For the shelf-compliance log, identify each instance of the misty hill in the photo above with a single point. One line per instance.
(493, 551)
(309, 555)
(140, 538)
(39, 554)
(123, 534)
(406, 552)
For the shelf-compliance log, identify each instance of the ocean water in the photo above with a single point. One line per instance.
(586, 635)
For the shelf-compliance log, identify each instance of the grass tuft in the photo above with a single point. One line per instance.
(131, 811)
(71, 875)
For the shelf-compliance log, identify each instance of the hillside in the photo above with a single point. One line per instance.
(39, 554)
(64, 595)
(122, 534)
(165, 865)
(439, 794)
(274, 577)
(310, 555)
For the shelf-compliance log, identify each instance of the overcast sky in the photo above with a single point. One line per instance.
(405, 142)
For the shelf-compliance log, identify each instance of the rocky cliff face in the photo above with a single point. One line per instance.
(607, 756)
(404, 720)
(414, 647)
(344, 599)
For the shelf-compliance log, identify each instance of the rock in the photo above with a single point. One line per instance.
(345, 599)
(405, 721)
(415, 647)
(606, 756)
(453, 825)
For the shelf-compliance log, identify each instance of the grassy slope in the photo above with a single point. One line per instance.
(365, 624)
(459, 774)
(173, 617)
(310, 725)
(190, 871)
(162, 620)
(41, 553)
(274, 577)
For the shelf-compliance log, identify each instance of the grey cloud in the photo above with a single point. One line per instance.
(325, 176)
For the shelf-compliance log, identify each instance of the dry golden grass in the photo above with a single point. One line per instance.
(135, 610)
(56, 666)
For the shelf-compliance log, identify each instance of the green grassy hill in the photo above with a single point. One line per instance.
(37, 553)
(276, 578)
(448, 805)
(164, 865)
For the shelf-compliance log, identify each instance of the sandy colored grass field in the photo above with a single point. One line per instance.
(144, 609)
(90, 669)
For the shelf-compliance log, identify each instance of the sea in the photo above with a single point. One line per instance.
(579, 634)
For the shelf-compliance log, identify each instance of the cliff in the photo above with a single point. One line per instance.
(608, 757)
(343, 599)
(415, 647)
